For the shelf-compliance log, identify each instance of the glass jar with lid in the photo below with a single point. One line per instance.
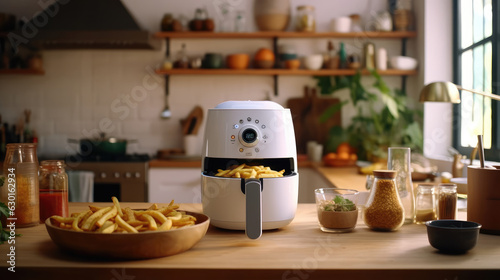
(425, 204)
(447, 201)
(20, 189)
(306, 19)
(53, 182)
(383, 210)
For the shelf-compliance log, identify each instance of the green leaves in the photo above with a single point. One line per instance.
(340, 204)
(4, 234)
(382, 120)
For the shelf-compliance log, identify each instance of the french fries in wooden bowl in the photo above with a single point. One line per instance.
(124, 233)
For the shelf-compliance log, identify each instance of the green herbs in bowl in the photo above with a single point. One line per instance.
(339, 204)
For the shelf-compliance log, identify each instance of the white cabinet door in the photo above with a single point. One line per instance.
(309, 180)
(180, 184)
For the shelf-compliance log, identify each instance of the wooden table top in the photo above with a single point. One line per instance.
(298, 251)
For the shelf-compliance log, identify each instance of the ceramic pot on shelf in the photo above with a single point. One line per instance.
(272, 15)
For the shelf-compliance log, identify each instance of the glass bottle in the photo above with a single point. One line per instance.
(342, 57)
(383, 210)
(447, 201)
(20, 190)
(53, 183)
(306, 20)
(240, 22)
(399, 160)
(425, 204)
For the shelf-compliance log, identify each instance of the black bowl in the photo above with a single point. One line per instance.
(452, 236)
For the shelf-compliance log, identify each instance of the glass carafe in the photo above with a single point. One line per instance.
(399, 160)
(20, 190)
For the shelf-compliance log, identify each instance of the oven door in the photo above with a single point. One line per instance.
(127, 181)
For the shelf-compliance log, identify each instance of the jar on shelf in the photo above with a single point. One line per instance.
(383, 210)
(306, 19)
(425, 204)
(53, 184)
(20, 190)
(447, 201)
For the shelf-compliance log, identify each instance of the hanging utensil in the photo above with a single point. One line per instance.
(166, 113)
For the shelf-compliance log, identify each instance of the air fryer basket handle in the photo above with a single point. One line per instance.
(253, 196)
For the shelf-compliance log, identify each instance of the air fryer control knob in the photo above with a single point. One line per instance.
(248, 136)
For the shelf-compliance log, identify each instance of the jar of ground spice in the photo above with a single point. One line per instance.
(383, 210)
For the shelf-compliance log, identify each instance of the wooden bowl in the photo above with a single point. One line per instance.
(142, 245)
(237, 61)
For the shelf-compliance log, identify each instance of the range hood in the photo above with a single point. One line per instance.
(91, 24)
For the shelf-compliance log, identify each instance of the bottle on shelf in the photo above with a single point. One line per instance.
(343, 63)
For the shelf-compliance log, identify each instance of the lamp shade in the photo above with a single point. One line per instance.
(440, 92)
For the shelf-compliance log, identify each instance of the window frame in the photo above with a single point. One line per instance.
(492, 154)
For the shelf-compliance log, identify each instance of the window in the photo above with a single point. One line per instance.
(476, 58)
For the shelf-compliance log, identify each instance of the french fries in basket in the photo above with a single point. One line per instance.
(117, 219)
(246, 171)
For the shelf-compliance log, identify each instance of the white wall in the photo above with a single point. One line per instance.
(435, 45)
(80, 87)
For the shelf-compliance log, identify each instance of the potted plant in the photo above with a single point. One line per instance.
(372, 130)
(337, 214)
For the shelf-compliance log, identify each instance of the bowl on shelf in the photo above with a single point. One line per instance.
(452, 236)
(313, 61)
(237, 61)
(292, 64)
(403, 62)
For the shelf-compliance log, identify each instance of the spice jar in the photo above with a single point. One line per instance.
(20, 190)
(53, 182)
(425, 204)
(447, 201)
(383, 210)
(306, 20)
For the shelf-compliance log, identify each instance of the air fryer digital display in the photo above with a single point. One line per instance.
(249, 135)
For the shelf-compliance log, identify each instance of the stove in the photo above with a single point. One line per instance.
(123, 176)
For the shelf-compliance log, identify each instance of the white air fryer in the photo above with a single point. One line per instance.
(255, 133)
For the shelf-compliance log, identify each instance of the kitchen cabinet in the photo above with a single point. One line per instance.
(275, 36)
(309, 180)
(180, 184)
(4, 43)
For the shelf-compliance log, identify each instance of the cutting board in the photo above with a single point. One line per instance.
(306, 112)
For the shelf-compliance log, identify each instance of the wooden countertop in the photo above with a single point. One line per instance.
(298, 251)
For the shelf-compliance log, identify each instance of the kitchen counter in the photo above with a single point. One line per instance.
(298, 251)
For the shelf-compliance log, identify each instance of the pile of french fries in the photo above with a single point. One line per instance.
(246, 171)
(116, 219)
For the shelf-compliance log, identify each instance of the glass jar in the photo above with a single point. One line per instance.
(20, 190)
(425, 204)
(53, 183)
(383, 210)
(306, 20)
(399, 160)
(447, 201)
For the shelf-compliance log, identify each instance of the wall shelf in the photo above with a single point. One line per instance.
(285, 34)
(275, 36)
(22, 72)
(282, 72)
